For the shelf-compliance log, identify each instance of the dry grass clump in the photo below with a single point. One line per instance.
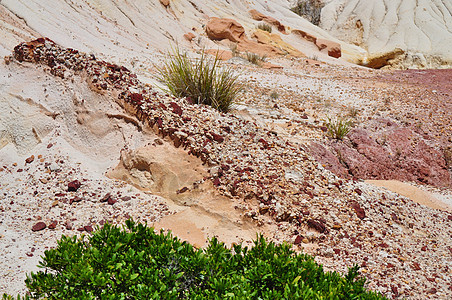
(203, 80)
(254, 58)
(265, 27)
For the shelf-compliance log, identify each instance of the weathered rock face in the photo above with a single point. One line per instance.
(332, 48)
(220, 29)
(273, 39)
(270, 20)
(419, 28)
(268, 45)
(397, 153)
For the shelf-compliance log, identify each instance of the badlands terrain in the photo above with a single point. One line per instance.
(88, 135)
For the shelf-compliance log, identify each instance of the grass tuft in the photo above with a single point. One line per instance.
(338, 128)
(254, 58)
(204, 81)
(265, 27)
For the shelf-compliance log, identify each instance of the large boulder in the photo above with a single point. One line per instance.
(220, 29)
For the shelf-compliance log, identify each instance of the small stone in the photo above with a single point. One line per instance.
(176, 108)
(305, 240)
(358, 191)
(416, 266)
(111, 201)
(216, 182)
(125, 198)
(69, 225)
(298, 240)
(53, 225)
(88, 228)
(182, 190)
(394, 290)
(360, 213)
(73, 186)
(49, 145)
(158, 141)
(424, 248)
(30, 159)
(75, 199)
(39, 226)
(337, 226)
(320, 227)
(432, 291)
(216, 137)
(106, 197)
(43, 180)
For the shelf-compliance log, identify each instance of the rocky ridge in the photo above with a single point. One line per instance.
(276, 181)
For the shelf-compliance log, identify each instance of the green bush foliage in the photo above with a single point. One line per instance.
(203, 81)
(134, 262)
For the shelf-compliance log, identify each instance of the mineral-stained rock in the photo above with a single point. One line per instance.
(403, 155)
(30, 159)
(319, 226)
(189, 36)
(360, 213)
(176, 108)
(39, 226)
(298, 240)
(261, 17)
(165, 3)
(53, 225)
(220, 29)
(333, 48)
(73, 186)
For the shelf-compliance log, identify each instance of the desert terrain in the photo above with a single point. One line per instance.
(88, 135)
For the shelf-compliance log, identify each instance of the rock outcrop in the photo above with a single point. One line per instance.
(270, 20)
(267, 44)
(420, 28)
(396, 153)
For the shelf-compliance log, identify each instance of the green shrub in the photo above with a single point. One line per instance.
(265, 27)
(136, 263)
(255, 58)
(338, 128)
(204, 81)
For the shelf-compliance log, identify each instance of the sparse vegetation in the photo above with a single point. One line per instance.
(265, 27)
(338, 128)
(234, 50)
(136, 263)
(255, 58)
(309, 9)
(353, 112)
(274, 95)
(204, 80)
(314, 57)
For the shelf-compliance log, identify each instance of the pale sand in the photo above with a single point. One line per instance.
(413, 193)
